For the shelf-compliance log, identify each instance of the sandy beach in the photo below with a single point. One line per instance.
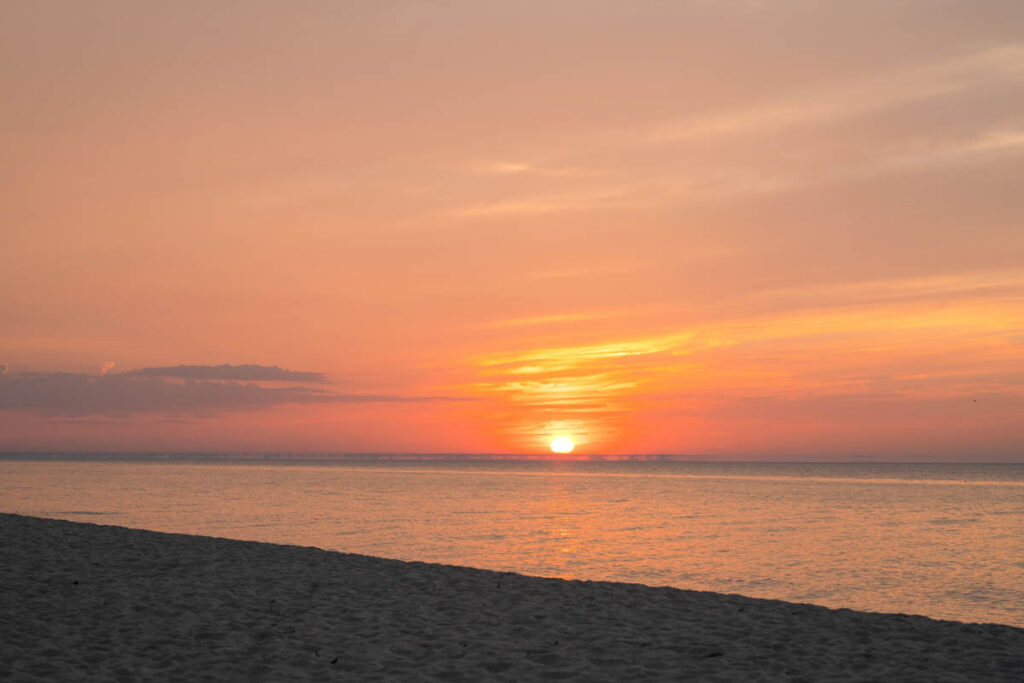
(87, 602)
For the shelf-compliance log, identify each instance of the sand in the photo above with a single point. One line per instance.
(87, 602)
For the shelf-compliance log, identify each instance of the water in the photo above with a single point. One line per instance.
(946, 541)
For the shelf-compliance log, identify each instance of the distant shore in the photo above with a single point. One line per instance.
(597, 458)
(87, 602)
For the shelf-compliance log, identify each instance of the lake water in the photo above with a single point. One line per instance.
(946, 541)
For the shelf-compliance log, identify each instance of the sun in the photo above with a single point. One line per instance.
(562, 444)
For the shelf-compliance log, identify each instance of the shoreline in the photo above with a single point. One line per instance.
(89, 602)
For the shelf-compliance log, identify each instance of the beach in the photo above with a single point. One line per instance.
(88, 602)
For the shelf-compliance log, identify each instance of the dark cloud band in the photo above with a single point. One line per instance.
(64, 394)
(239, 373)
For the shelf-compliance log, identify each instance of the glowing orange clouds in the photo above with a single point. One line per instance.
(815, 370)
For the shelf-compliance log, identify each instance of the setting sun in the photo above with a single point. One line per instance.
(562, 444)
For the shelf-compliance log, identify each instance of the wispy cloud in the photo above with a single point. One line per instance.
(987, 145)
(604, 198)
(996, 64)
(591, 270)
(708, 167)
(537, 169)
(560, 318)
(966, 285)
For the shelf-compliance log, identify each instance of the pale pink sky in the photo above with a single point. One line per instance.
(732, 229)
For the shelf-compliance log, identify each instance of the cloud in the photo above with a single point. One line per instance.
(520, 168)
(608, 198)
(963, 285)
(988, 145)
(887, 119)
(65, 394)
(998, 64)
(107, 367)
(545, 319)
(239, 373)
(4, 368)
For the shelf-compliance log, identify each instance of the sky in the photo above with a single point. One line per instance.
(729, 230)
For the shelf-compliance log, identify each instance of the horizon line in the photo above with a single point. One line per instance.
(506, 457)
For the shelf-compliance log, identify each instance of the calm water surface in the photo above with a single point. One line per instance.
(945, 541)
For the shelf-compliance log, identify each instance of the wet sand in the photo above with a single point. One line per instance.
(87, 602)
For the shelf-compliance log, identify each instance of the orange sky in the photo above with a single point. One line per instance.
(722, 229)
